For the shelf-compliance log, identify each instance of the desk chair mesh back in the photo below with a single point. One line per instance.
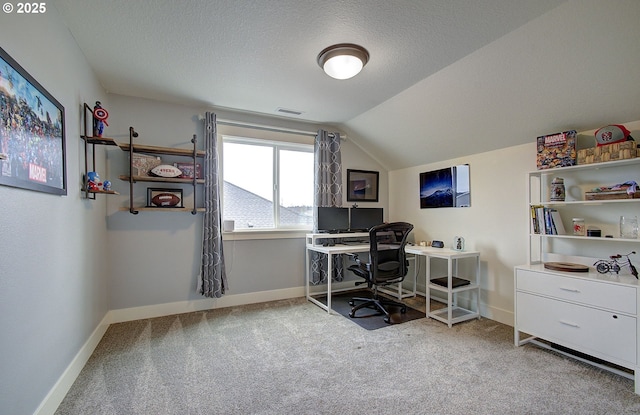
(387, 265)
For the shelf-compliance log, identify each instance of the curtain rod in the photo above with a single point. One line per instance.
(269, 128)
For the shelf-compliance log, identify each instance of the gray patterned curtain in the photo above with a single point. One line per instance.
(328, 193)
(213, 278)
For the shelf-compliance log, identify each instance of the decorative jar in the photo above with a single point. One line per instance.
(578, 227)
(557, 189)
(629, 227)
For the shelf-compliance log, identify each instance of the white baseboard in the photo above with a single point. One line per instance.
(179, 307)
(51, 402)
(497, 314)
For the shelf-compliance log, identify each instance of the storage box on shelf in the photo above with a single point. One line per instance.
(590, 313)
(612, 195)
(610, 152)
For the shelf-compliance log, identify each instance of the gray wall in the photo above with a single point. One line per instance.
(158, 252)
(53, 251)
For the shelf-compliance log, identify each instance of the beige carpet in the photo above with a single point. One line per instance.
(290, 357)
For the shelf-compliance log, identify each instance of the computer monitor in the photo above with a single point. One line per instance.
(363, 219)
(333, 219)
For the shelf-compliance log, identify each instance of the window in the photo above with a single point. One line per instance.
(256, 172)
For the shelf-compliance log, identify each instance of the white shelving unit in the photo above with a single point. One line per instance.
(601, 214)
(595, 315)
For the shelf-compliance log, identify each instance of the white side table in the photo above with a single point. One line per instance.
(453, 312)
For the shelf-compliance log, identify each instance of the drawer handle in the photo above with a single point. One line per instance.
(573, 290)
(570, 324)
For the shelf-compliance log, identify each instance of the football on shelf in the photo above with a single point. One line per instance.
(166, 170)
(165, 200)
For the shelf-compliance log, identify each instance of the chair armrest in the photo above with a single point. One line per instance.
(355, 258)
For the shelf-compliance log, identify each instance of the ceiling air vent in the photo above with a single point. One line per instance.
(289, 112)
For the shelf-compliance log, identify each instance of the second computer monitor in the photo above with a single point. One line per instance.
(363, 219)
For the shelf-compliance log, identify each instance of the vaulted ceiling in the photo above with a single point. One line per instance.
(446, 78)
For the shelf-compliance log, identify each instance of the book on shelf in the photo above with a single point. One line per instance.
(556, 221)
(546, 221)
(534, 220)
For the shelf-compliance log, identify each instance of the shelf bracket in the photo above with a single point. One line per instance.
(132, 134)
(85, 179)
(194, 140)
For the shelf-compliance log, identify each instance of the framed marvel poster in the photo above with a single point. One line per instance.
(32, 135)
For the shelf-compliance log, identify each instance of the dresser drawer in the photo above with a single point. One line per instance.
(599, 333)
(590, 292)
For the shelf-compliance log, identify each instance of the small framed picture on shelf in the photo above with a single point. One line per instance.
(164, 198)
(188, 170)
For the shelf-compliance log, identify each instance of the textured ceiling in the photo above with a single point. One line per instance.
(442, 74)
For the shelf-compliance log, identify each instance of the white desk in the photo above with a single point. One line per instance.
(314, 244)
(453, 313)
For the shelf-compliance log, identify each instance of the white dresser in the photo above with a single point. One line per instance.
(589, 313)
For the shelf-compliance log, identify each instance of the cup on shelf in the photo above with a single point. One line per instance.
(629, 227)
(579, 228)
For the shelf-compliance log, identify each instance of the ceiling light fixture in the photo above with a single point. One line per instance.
(343, 61)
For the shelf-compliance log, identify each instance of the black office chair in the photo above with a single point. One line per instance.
(387, 265)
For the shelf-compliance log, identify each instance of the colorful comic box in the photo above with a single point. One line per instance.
(557, 150)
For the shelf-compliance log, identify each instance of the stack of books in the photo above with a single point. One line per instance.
(546, 221)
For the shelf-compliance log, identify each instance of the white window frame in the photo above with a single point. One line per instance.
(277, 146)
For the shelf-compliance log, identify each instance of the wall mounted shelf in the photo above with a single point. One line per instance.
(193, 154)
(90, 140)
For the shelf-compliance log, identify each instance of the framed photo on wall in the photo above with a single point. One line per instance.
(32, 137)
(362, 186)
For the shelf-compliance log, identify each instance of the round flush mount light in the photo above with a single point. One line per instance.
(343, 61)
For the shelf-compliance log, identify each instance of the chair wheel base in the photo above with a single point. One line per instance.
(376, 304)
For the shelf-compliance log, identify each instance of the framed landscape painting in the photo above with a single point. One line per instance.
(362, 186)
(32, 136)
(448, 187)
